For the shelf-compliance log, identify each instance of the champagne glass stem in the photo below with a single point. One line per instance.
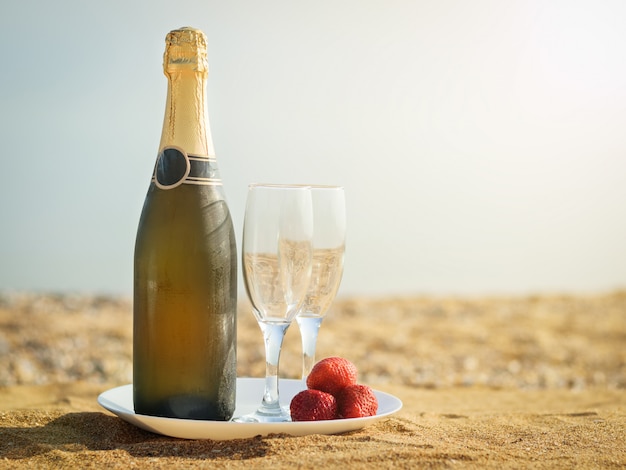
(309, 328)
(273, 334)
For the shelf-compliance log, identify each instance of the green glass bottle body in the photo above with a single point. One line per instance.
(185, 267)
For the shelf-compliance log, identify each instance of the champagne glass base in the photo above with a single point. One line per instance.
(264, 416)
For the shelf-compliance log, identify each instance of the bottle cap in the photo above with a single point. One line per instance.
(185, 47)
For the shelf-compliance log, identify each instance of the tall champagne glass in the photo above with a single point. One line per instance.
(277, 236)
(329, 234)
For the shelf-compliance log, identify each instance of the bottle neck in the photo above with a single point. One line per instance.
(186, 118)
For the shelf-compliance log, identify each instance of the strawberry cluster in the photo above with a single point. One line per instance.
(333, 393)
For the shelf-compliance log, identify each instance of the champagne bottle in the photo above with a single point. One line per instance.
(185, 270)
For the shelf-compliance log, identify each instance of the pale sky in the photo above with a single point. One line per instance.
(481, 143)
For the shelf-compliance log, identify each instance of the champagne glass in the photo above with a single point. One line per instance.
(329, 233)
(277, 236)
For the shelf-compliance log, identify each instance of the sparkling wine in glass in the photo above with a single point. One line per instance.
(329, 234)
(277, 253)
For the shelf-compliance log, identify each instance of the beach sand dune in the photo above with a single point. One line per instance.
(498, 382)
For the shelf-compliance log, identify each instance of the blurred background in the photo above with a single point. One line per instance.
(481, 144)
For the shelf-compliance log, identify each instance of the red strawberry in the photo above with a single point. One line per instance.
(356, 401)
(313, 405)
(331, 375)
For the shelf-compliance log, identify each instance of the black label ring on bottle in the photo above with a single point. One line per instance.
(172, 167)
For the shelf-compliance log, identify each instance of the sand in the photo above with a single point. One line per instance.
(502, 382)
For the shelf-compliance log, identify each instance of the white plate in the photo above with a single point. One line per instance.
(119, 401)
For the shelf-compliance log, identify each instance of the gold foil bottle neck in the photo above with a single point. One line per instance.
(185, 47)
